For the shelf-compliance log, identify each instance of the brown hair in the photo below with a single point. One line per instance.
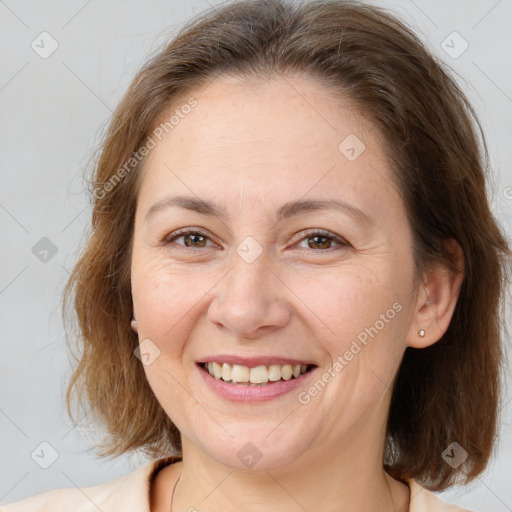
(447, 392)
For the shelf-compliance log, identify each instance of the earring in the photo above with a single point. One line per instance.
(421, 333)
(134, 324)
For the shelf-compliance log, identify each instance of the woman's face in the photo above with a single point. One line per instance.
(254, 286)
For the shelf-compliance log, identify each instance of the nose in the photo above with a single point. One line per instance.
(250, 301)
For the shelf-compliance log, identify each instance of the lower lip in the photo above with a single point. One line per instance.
(241, 393)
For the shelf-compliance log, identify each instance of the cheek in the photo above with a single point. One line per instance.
(359, 312)
(167, 295)
(150, 290)
(348, 299)
(375, 321)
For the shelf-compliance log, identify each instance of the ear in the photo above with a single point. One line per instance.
(436, 300)
(134, 325)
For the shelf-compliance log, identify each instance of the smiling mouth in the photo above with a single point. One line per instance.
(256, 376)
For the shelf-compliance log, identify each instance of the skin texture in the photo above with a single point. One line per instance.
(250, 147)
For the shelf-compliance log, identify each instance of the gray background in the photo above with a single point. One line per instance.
(53, 111)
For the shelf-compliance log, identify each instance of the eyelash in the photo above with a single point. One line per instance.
(304, 235)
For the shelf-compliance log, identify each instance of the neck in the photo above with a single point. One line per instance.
(352, 480)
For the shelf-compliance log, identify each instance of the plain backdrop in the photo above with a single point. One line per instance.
(53, 109)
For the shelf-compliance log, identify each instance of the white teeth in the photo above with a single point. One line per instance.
(287, 372)
(217, 370)
(226, 371)
(259, 375)
(274, 372)
(238, 373)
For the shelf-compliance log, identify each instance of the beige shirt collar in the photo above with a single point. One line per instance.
(130, 493)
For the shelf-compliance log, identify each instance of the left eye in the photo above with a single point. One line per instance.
(197, 239)
(191, 238)
(320, 238)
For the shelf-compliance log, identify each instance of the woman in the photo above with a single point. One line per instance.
(291, 294)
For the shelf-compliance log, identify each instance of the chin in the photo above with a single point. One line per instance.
(257, 448)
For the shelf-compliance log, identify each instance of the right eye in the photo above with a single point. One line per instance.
(194, 239)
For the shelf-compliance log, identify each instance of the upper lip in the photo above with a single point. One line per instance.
(252, 362)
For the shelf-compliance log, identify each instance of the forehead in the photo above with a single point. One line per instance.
(266, 136)
(234, 113)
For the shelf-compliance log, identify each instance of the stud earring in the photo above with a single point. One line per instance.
(134, 324)
(421, 333)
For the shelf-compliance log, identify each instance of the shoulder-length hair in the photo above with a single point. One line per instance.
(436, 149)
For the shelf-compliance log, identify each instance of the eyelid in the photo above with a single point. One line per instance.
(300, 236)
(305, 233)
(182, 232)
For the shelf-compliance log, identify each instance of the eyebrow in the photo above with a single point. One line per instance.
(287, 210)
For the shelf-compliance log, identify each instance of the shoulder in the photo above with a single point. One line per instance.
(423, 500)
(129, 493)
